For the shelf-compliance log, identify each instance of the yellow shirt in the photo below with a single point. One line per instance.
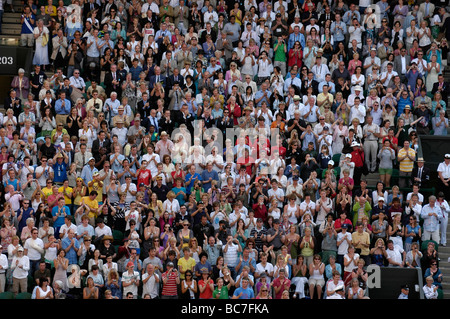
(69, 190)
(93, 204)
(77, 199)
(98, 187)
(322, 97)
(186, 265)
(406, 165)
(361, 238)
(47, 192)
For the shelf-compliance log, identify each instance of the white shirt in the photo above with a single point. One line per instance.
(421, 65)
(3, 263)
(77, 82)
(151, 287)
(444, 169)
(127, 277)
(262, 269)
(106, 230)
(151, 164)
(65, 229)
(320, 71)
(395, 254)
(343, 247)
(388, 76)
(20, 273)
(358, 112)
(34, 246)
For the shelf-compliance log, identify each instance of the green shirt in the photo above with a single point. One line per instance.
(223, 293)
(280, 55)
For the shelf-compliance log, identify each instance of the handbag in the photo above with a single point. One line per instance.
(44, 39)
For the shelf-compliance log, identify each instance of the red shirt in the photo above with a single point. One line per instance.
(236, 113)
(285, 286)
(170, 288)
(145, 176)
(358, 157)
(338, 224)
(248, 160)
(260, 211)
(207, 293)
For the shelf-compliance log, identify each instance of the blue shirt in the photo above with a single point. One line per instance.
(206, 176)
(431, 223)
(180, 197)
(116, 166)
(191, 184)
(87, 174)
(294, 38)
(60, 109)
(247, 263)
(135, 72)
(71, 254)
(338, 34)
(26, 27)
(247, 293)
(309, 137)
(81, 229)
(60, 172)
(60, 220)
(25, 215)
(259, 94)
(14, 183)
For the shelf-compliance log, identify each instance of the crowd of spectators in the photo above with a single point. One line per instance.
(121, 178)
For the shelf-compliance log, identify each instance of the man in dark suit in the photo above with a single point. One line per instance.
(420, 174)
(91, 6)
(175, 77)
(327, 15)
(402, 64)
(157, 77)
(442, 87)
(310, 82)
(166, 123)
(143, 106)
(224, 122)
(208, 30)
(100, 142)
(14, 103)
(184, 117)
(113, 82)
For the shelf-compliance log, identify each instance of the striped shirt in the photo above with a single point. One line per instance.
(406, 165)
(170, 287)
(231, 256)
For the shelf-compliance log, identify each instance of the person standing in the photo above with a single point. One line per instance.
(444, 176)
(431, 214)
(27, 20)
(33, 249)
(41, 36)
(406, 157)
(3, 267)
(20, 267)
(170, 280)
